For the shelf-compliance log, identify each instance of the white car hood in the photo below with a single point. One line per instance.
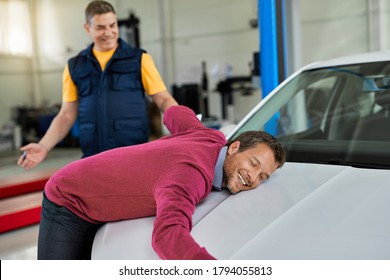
(304, 211)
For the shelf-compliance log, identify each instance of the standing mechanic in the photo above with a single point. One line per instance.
(165, 178)
(103, 87)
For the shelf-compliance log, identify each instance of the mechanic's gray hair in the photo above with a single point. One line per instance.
(97, 8)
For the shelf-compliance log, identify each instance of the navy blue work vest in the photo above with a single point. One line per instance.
(112, 106)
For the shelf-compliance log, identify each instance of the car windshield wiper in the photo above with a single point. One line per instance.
(357, 164)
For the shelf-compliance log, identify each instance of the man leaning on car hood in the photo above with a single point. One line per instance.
(165, 178)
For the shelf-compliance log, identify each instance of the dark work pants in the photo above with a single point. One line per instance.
(63, 235)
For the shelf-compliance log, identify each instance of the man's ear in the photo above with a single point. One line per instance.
(87, 27)
(233, 148)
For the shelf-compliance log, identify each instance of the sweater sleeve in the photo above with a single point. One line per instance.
(180, 118)
(176, 197)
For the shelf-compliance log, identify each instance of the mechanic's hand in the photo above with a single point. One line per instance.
(33, 154)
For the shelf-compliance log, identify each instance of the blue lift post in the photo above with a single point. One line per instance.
(271, 15)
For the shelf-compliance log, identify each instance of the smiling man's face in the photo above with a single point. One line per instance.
(104, 31)
(245, 170)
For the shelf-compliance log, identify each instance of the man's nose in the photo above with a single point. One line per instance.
(254, 174)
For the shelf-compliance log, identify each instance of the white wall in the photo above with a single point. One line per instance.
(59, 35)
(15, 84)
(180, 34)
(333, 27)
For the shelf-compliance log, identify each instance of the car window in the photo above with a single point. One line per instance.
(306, 110)
(334, 114)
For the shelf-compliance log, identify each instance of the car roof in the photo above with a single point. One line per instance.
(351, 59)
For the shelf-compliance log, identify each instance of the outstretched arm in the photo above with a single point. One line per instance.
(176, 197)
(59, 128)
(181, 118)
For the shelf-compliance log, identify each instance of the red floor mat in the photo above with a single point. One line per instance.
(21, 198)
(20, 219)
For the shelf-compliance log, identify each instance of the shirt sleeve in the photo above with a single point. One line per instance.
(69, 89)
(150, 76)
(181, 118)
(176, 197)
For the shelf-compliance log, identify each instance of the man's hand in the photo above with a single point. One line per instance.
(33, 154)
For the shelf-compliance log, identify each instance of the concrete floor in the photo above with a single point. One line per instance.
(21, 244)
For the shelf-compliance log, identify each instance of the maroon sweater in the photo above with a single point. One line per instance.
(166, 177)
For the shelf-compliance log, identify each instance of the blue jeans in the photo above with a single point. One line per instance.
(63, 235)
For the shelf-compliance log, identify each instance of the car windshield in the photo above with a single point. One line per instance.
(333, 115)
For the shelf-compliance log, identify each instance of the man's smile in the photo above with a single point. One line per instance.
(242, 180)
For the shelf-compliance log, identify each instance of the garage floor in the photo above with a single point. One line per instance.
(20, 244)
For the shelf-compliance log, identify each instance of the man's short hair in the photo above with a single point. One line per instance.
(250, 139)
(97, 8)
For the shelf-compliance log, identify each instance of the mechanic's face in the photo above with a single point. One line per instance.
(245, 170)
(104, 31)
